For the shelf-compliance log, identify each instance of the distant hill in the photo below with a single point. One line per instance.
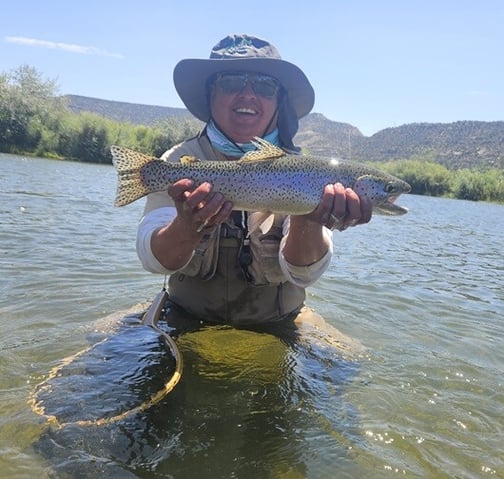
(474, 144)
(455, 145)
(121, 111)
(463, 144)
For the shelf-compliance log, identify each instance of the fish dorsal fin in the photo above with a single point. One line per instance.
(265, 151)
(188, 159)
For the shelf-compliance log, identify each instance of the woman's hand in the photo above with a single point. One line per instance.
(340, 208)
(199, 207)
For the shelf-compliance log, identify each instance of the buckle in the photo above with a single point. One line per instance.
(229, 232)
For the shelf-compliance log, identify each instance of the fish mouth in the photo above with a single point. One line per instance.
(389, 207)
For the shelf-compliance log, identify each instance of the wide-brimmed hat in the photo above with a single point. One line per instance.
(244, 53)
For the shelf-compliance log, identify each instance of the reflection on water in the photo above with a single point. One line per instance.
(248, 405)
(424, 293)
(119, 374)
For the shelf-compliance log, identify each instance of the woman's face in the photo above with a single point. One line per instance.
(243, 105)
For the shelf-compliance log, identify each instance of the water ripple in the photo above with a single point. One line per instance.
(424, 293)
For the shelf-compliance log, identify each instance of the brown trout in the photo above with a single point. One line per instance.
(268, 179)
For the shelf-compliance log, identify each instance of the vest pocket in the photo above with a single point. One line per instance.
(265, 267)
(204, 261)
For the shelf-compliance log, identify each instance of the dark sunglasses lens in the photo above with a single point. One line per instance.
(231, 83)
(265, 86)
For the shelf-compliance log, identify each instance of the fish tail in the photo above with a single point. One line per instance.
(128, 164)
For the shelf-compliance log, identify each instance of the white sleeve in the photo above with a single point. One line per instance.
(150, 222)
(305, 276)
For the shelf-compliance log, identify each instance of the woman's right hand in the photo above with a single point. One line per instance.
(199, 207)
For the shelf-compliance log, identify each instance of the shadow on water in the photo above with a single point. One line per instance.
(249, 404)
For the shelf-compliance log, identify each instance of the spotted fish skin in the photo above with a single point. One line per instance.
(264, 180)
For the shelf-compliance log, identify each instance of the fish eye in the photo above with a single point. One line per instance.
(390, 188)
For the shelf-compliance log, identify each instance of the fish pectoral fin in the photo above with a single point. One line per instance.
(262, 220)
(188, 159)
(265, 151)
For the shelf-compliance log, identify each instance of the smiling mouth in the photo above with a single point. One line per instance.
(245, 111)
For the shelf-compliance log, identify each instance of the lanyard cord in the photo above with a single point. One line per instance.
(245, 253)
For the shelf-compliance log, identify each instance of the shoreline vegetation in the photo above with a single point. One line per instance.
(36, 121)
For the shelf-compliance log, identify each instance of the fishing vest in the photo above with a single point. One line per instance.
(234, 277)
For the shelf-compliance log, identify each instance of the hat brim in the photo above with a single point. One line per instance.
(190, 77)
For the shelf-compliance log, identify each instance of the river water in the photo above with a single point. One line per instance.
(423, 293)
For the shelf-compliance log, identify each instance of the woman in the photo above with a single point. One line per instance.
(219, 270)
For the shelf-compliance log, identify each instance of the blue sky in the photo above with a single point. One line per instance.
(373, 64)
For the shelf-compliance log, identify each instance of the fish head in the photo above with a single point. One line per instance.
(382, 191)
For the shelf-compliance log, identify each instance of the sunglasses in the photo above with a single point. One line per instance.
(235, 82)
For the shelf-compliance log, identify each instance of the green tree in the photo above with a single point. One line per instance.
(479, 185)
(468, 185)
(425, 177)
(25, 98)
(91, 144)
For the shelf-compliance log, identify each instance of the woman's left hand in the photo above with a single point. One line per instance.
(340, 208)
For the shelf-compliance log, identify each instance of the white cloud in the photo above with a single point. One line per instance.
(476, 93)
(68, 47)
